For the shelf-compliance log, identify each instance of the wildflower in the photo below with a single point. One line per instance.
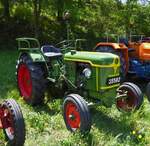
(140, 136)
(133, 132)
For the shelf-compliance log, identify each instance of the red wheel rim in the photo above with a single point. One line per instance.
(24, 81)
(7, 122)
(72, 116)
(129, 103)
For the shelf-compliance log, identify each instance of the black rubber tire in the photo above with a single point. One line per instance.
(138, 90)
(123, 66)
(122, 60)
(135, 91)
(148, 91)
(38, 78)
(18, 123)
(80, 103)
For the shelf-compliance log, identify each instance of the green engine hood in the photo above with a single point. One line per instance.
(93, 58)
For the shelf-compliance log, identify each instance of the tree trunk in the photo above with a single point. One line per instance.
(6, 12)
(60, 9)
(37, 12)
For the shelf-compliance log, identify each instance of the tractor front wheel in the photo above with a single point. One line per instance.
(130, 97)
(76, 113)
(12, 122)
(148, 91)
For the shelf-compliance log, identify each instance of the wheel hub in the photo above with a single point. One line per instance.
(6, 121)
(72, 116)
(127, 103)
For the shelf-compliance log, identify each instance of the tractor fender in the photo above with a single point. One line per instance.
(35, 56)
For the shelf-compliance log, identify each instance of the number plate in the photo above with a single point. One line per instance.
(113, 80)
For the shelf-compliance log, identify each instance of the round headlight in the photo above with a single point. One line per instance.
(116, 60)
(87, 72)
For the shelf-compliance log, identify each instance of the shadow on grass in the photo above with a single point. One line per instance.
(109, 125)
(5, 91)
(53, 107)
(7, 72)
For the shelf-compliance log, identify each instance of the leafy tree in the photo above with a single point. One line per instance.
(6, 8)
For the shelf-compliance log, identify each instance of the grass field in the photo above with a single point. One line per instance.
(45, 125)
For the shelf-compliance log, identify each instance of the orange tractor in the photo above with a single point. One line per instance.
(134, 56)
(141, 49)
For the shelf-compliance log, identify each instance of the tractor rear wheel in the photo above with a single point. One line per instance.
(133, 97)
(76, 113)
(31, 81)
(12, 122)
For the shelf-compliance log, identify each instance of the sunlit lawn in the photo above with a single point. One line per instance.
(45, 125)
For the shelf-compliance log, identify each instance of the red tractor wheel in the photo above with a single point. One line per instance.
(31, 80)
(24, 81)
(132, 98)
(76, 113)
(12, 122)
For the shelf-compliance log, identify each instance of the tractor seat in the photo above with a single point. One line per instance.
(51, 51)
(131, 50)
(146, 39)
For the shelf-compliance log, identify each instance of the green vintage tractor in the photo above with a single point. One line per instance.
(75, 75)
(81, 78)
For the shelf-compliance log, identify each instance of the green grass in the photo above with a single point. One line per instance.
(45, 125)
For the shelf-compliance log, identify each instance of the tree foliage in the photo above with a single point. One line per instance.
(90, 19)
